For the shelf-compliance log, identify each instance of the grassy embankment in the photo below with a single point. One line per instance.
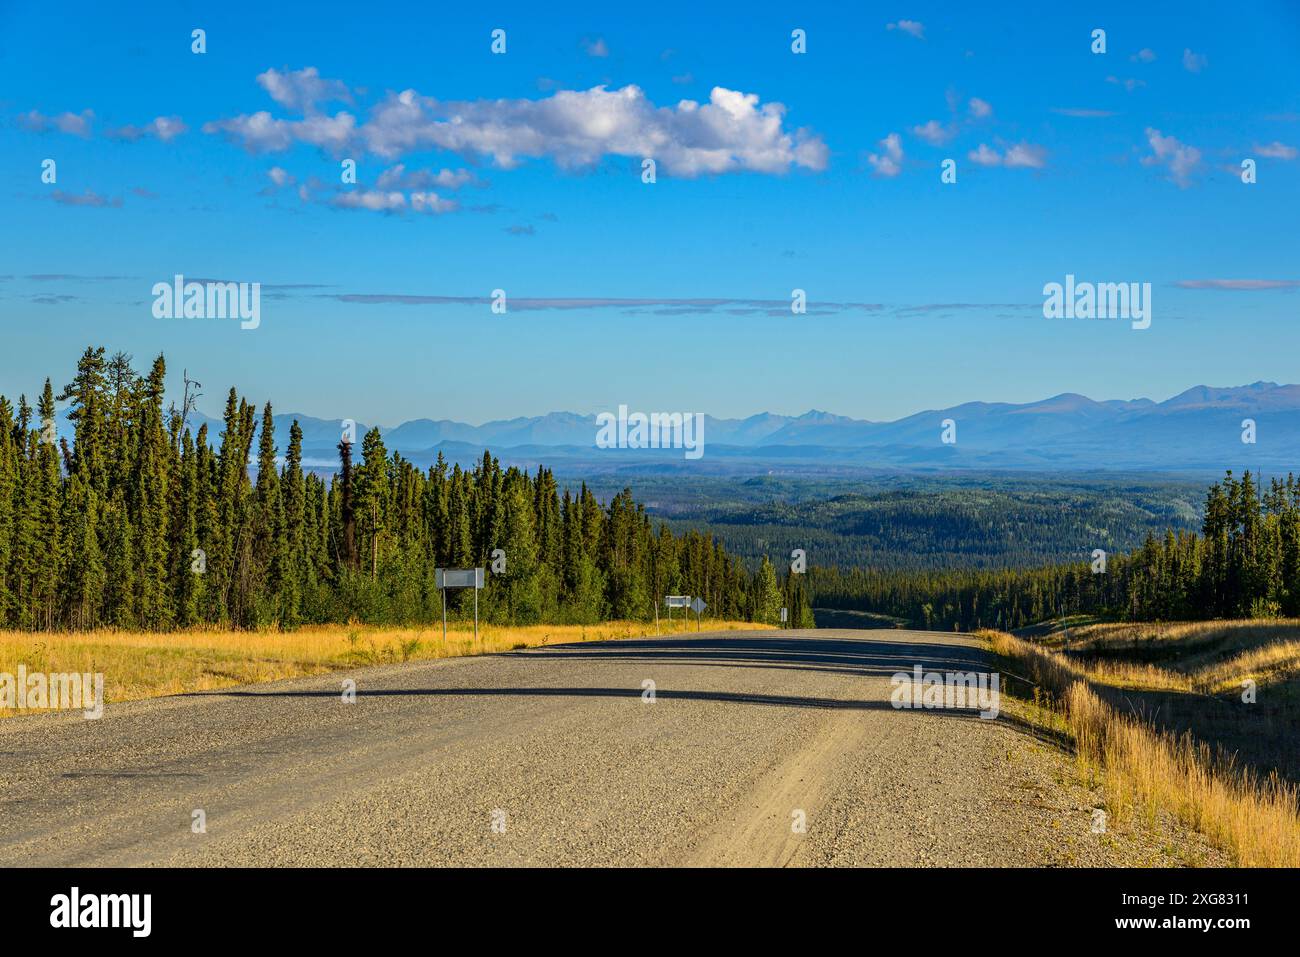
(147, 665)
(1159, 709)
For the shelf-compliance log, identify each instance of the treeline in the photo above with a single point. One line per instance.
(1245, 563)
(957, 522)
(139, 524)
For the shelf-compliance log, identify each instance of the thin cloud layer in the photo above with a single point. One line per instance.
(1239, 285)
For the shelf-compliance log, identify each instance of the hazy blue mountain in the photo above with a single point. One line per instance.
(1199, 429)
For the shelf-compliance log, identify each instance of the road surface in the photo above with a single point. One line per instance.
(758, 748)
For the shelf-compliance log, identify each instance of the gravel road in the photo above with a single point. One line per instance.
(758, 748)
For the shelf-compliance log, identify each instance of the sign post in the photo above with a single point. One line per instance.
(446, 578)
(676, 601)
(698, 606)
(785, 614)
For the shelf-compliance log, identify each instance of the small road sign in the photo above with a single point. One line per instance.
(697, 606)
(785, 615)
(677, 601)
(446, 578)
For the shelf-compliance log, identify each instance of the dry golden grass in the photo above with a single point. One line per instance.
(147, 665)
(1183, 636)
(1265, 665)
(1256, 820)
(1205, 657)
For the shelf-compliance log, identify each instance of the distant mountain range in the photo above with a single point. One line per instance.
(1200, 429)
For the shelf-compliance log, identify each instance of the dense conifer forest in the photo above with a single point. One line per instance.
(1245, 563)
(137, 522)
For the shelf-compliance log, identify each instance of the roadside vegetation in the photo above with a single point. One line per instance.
(149, 665)
(1194, 720)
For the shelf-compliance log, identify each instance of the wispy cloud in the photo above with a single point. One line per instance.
(659, 306)
(88, 198)
(1130, 84)
(1082, 113)
(393, 201)
(163, 128)
(1194, 62)
(1145, 55)
(74, 124)
(596, 47)
(1238, 285)
(399, 177)
(1276, 150)
(911, 27)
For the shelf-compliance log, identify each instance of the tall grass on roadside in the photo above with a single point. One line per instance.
(150, 664)
(1256, 820)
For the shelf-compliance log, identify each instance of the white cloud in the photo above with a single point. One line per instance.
(280, 177)
(1194, 62)
(76, 124)
(1145, 55)
(980, 108)
(1276, 150)
(393, 201)
(399, 177)
(432, 203)
(913, 27)
(301, 90)
(1180, 159)
(1020, 155)
(732, 132)
(890, 162)
(372, 199)
(985, 156)
(1025, 156)
(934, 132)
(1129, 84)
(574, 128)
(596, 47)
(164, 128)
(263, 133)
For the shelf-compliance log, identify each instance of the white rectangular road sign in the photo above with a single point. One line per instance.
(458, 577)
(677, 601)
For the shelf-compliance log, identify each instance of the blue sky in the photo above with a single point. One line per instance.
(1114, 167)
